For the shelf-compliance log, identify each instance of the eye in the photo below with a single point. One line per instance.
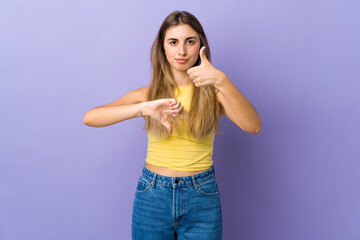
(191, 42)
(172, 42)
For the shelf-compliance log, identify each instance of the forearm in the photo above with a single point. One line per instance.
(105, 116)
(242, 109)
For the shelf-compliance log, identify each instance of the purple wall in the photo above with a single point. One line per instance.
(296, 61)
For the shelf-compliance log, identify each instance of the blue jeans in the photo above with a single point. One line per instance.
(167, 208)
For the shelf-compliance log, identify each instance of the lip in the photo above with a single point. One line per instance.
(180, 60)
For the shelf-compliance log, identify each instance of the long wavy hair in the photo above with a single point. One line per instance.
(205, 111)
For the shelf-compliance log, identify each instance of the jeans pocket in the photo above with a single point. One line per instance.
(143, 185)
(208, 187)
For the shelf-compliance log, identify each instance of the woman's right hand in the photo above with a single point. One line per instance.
(160, 109)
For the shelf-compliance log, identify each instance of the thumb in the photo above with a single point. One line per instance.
(168, 126)
(203, 56)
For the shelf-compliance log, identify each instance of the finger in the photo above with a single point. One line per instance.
(172, 102)
(196, 80)
(203, 83)
(203, 56)
(175, 106)
(191, 70)
(168, 126)
(181, 111)
(164, 122)
(178, 104)
(178, 114)
(193, 75)
(177, 110)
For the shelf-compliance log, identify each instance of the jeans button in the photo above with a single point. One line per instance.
(176, 181)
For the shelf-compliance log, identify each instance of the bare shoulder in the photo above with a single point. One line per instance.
(135, 96)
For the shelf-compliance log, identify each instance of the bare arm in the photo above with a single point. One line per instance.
(237, 108)
(131, 105)
(105, 116)
(126, 107)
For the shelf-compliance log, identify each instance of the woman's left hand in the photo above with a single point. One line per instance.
(204, 74)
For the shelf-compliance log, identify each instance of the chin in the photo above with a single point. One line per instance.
(181, 68)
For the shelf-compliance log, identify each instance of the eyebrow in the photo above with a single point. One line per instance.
(185, 39)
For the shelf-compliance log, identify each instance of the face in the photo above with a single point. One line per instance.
(181, 45)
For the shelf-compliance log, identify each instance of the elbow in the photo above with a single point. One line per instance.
(87, 120)
(92, 119)
(254, 129)
(257, 127)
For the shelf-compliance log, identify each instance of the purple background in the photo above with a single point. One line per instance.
(296, 61)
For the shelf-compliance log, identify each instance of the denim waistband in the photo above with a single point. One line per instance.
(192, 180)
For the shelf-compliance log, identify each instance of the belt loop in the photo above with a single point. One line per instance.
(153, 180)
(194, 182)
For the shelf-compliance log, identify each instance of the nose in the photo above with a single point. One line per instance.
(182, 50)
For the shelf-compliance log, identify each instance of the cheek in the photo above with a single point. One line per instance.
(169, 54)
(195, 52)
(195, 55)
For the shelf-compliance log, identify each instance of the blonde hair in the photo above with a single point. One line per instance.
(205, 111)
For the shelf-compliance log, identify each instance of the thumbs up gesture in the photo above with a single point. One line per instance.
(204, 74)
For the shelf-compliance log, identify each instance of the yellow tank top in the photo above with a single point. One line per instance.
(178, 151)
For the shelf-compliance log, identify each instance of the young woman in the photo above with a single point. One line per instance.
(177, 195)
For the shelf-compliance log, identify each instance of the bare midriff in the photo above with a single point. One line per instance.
(170, 173)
